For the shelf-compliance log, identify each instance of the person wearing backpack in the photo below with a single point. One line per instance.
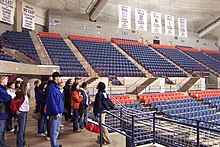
(5, 100)
(102, 102)
(20, 107)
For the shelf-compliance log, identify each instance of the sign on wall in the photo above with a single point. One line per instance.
(141, 19)
(124, 13)
(28, 16)
(169, 25)
(7, 9)
(182, 26)
(156, 25)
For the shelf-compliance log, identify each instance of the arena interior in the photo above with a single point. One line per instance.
(160, 61)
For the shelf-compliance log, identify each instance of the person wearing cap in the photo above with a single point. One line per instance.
(5, 100)
(77, 79)
(54, 108)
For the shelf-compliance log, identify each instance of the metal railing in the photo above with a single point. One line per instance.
(146, 127)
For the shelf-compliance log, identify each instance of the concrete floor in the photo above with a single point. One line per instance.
(67, 138)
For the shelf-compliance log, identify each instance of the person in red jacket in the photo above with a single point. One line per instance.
(75, 103)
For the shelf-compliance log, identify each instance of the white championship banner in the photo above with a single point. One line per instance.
(169, 25)
(156, 25)
(140, 19)
(124, 13)
(182, 26)
(7, 10)
(28, 20)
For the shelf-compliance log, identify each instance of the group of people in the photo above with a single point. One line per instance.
(14, 103)
(53, 99)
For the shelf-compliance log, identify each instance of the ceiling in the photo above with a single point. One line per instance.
(195, 11)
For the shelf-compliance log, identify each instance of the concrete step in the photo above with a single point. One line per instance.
(41, 51)
(188, 84)
(91, 72)
(144, 85)
(132, 60)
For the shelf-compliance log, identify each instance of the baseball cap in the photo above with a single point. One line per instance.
(56, 74)
(78, 78)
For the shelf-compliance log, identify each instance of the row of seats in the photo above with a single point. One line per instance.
(198, 95)
(213, 101)
(148, 98)
(122, 99)
(23, 43)
(203, 58)
(187, 111)
(149, 59)
(74, 37)
(62, 55)
(179, 58)
(105, 59)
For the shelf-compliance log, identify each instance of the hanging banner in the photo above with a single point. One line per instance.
(182, 26)
(28, 16)
(169, 25)
(124, 13)
(156, 25)
(141, 19)
(7, 10)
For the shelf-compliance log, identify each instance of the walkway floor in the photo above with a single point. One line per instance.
(67, 138)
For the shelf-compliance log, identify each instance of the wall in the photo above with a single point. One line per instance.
(4, 27)
(73, 23)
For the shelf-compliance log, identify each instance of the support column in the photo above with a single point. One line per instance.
(18, 16)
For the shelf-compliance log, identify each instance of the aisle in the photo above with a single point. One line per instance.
(67, 138)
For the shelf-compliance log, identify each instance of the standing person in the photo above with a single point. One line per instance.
(22, 113)
(54, 108)
(42, 103)
(11, 92)
(36, 93)
(102, 102)
(84, 105)
(67, 99)
(77, 80)
(5, 99)
(75, 102)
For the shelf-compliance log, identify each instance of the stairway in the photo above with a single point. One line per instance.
(143, 85)
(18, 56)
(91, 72)
(132, 60)
(41, 51)
(177, 66)
(188, 84)
(92, 79)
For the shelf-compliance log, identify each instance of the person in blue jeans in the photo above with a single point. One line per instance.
(5, 99)
(54, 108)
(22, 113)
(84, 105)
(41, 100)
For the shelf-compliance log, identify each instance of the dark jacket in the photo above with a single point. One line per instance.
(54, 102)
(67, 95)
(5, 99)
(102, 102)
(42, 101)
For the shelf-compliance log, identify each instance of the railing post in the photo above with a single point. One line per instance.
(154, 134)
(100, 124)
(197, 133)
(132, 127)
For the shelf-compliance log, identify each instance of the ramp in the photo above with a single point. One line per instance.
(143, 85)
(188, 84)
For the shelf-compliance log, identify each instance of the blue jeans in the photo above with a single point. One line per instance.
(22, 120)
(54, 130)
(9, 124)
(42, 124)
(84, 118)
(75, 119)
(2, 132)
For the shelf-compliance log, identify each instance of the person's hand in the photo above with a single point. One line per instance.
(18, 112)
(58, 116)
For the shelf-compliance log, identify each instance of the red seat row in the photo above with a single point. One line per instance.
(198, 95)
(122, 99)
(47, 34)
(148, 98)
(117, 41)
